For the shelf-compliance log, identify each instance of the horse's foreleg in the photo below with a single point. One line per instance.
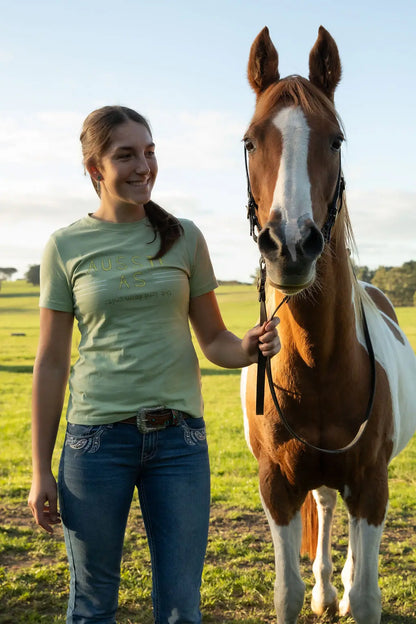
(367, 513)
(289, 588)
(364, 595)
(324, 594)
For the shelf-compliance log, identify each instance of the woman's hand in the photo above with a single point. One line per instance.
(43, 502)
(221, 346)
(263, 337)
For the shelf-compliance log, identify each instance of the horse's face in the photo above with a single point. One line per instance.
(293, 142)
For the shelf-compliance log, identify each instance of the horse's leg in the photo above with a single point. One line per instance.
(286, 529)
(289, 589)
(347, 576)
(324, 594)
(364, 597)
(367, 510)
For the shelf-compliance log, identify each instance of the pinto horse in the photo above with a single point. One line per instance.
(344, 380)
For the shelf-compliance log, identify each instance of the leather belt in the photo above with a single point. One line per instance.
(148, 419)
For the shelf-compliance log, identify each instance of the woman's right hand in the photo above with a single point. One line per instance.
(43, 502)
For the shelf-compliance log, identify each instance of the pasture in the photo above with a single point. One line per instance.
(239, 571)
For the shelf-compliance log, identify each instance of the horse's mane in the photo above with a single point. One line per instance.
(300, 92)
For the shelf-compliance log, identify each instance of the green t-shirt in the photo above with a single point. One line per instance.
(136, 348)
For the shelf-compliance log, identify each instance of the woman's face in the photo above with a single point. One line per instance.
(129, 166)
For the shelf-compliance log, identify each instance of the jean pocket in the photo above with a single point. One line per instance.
(194, 431)
(85, 438)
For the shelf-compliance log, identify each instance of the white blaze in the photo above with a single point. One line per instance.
(292, 196)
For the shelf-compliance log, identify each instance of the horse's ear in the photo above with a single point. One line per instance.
(325, 64)
(263, 62)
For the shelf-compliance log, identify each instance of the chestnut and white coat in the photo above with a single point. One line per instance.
(322, 374)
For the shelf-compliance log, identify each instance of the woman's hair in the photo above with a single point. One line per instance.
(96, 136)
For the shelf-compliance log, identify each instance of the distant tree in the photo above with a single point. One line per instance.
(364, 274)
(398, 283)
(6, 273)
(32, 275)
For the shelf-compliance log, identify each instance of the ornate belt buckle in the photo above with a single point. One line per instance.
(143, 416)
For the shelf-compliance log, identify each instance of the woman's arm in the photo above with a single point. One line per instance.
(50, 376)
(221, 346)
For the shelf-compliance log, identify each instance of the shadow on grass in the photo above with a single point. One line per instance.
(16, 368)
(220, 371)
(17, 295)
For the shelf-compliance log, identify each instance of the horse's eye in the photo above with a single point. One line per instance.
(249, 145)
(336, 143)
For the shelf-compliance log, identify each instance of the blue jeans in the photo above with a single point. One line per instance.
(100, 467)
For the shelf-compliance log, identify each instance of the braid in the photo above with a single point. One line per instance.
(164, 224)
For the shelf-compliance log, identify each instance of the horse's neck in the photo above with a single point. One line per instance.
(318, 323)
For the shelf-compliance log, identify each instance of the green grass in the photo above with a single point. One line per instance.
(239, 570)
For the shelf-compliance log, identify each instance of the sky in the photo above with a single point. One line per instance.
(183, 64)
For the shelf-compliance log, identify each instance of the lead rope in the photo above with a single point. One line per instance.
(363, 425)
(262, 360)
(264, 367)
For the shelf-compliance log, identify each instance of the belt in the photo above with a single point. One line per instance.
(148, 419)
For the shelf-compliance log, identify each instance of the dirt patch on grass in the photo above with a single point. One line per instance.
(230, 527)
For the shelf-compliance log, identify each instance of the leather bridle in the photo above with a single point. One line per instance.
(263, 365)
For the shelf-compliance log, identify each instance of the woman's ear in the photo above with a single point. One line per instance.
(94, 173)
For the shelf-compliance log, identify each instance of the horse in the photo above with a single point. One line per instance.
(341, 397)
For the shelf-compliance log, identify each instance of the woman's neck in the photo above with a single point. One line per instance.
(119, 213)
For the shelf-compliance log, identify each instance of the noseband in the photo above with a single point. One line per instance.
(263, 365)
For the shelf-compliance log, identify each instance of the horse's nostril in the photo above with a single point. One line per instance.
(313, 243)
(266, 243)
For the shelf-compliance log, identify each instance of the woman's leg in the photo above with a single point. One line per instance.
(174, 491)
(97, 477)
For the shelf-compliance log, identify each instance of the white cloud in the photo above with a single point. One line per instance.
(6, 56)
(384, 225)
(201, 177)
(205, 141)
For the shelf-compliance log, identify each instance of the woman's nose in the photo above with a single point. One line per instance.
(142, 166)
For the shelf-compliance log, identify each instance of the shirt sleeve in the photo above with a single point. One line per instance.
(202, 278)
(55, 286)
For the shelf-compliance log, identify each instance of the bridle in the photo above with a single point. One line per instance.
(334, 207)
(263, 365)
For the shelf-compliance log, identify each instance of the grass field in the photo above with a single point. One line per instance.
(239, 571)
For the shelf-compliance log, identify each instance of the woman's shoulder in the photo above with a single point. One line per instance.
(189, 227)
(72, 229)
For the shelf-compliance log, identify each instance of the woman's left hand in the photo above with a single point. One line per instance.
(263, 337)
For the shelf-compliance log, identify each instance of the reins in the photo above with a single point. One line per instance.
(263, 365)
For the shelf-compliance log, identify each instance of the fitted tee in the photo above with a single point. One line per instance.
(136, 348)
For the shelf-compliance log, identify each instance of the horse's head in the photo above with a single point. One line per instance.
(294, 142)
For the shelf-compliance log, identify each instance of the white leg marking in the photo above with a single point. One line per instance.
(324, 594)
(289, 588)
(365, 595)
(292, 194)
(347, 576)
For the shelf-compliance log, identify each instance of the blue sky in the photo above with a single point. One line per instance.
(183, 65)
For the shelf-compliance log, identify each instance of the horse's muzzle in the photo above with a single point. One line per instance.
(290, 251)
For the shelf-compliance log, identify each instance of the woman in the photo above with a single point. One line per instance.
(131, 274)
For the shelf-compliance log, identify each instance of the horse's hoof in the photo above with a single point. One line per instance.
(344, 607)
(325, 609)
